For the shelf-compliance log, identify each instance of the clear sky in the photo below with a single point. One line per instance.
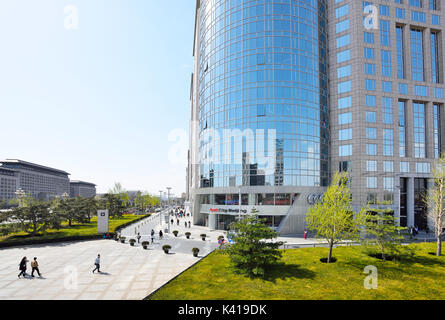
(98, 101)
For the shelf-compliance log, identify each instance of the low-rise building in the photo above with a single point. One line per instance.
(82, 189)
(39, 181)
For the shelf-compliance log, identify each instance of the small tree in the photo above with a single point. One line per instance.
(332, 218)
(253, 249)
(382, 230)
(34, 217)
(435, 200)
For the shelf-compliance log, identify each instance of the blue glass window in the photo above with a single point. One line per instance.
(371, 149)
(368, 37)
(343, 56)
(384, 10)
(345, 134)
(371, 117)
(386, 63)
(402, 130)
(371, 133)
(388, 142)
(345, 118)
(370, 101)
(400, 13)
(345, 151)
(419, 130)
(387, 86)
(342, 26)
(418, 16)
(342, 11)
(370, 85)
(343, 40)
(369, 53)
(437, 133)
(370, 68)
(400, 53)
(421, 91)
(385, 33)
(345, 102)
(344, 87)
(403, 88)
(435, 57)
(417, 54)
(344, 71)
(387, 110)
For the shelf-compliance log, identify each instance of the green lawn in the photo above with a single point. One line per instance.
(301, 275)
(82, 230)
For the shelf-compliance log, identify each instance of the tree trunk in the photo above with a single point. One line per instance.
(330, 252)
(439, 246)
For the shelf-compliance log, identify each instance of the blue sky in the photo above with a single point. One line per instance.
(99, 101)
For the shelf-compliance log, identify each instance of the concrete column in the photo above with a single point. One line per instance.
(252, 199)
(409, 124)
(410, 202)
(429, 129)
(212, 221)
(397, 194)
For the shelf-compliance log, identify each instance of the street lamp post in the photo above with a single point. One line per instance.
(168, 211)
(239, 205)
(160, 203)
(20, 195)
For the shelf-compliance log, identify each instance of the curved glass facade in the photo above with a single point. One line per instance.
(263, 70)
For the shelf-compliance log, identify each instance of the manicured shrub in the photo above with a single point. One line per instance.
(132, 242)
(122, 239)
(195, 252)
(203, 236)
(166, 248)
(145, 244)
(188, 234)
(176, 233)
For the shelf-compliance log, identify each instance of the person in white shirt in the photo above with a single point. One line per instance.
(97, 264)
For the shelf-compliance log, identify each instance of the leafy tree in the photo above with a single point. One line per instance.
(73, 209)
(34, 217)
(332, 218)
(382, 230)
(252, 250)
(91, 206)
(436, 202)
(113, 204)
(117, 188)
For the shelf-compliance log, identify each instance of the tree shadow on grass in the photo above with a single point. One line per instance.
(285, 271)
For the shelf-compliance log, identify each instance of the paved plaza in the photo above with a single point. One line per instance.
(129, 273)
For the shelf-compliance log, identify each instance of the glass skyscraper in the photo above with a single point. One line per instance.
(285, 92)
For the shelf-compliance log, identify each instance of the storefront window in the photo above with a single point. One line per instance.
(265, 199)
(282, 199)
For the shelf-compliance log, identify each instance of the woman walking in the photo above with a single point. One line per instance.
(22, 267)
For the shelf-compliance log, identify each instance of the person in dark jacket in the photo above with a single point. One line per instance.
(160, 234)
(22, 267)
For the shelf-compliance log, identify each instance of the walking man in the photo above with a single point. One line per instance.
(160, 234)
(35, 267)
(97, 264)
(139, 237)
